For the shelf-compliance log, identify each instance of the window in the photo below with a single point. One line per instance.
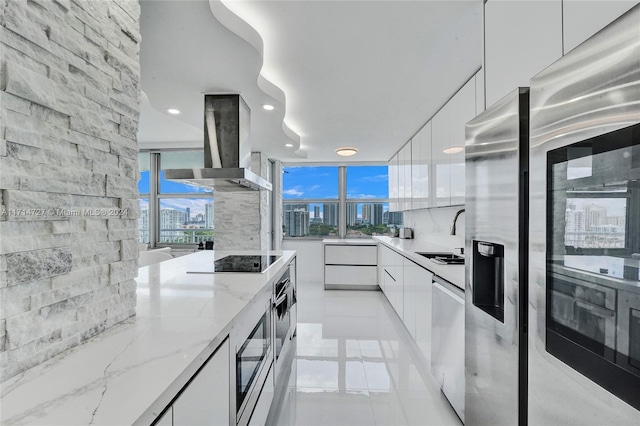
(310, 201)
(315, 196)
(172, 212)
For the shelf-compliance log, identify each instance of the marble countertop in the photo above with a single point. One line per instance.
(129, 373)
(408, 248)
(350, 241)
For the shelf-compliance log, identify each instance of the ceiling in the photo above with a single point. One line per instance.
(366, 74)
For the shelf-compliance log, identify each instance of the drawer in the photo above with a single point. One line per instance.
(351, 255)
(352, 275)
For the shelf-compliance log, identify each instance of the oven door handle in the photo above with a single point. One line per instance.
(283, 286)
(279, 300)
(597, 310)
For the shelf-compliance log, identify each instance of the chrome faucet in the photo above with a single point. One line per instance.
(453, 227)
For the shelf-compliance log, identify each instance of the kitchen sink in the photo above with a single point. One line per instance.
(443, 258)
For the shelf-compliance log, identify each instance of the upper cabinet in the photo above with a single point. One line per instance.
(421, 168)
(394, 202)
(583, 18)
(429, 170)
(440, 135)
(521, 39)
(462, 109)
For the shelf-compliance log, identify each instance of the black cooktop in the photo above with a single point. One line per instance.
(243, 263)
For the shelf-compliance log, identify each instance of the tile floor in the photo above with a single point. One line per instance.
(356, 364)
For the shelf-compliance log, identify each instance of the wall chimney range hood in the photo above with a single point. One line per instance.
(227, 154)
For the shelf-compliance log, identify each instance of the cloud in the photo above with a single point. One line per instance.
(358, 196)
(293, 191)
(375, 178)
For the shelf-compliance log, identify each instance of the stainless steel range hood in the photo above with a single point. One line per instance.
(227, 154)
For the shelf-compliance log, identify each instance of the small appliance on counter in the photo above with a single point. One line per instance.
(406, 233)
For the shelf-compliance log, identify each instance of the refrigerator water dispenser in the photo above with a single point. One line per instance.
(488, 278)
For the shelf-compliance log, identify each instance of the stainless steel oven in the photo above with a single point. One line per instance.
(284, 313)
(253, 360)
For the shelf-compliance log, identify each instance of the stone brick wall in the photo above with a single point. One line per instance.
(241, 219)
(69, 104)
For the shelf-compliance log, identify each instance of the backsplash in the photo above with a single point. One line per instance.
(68, 174)
(435, 225)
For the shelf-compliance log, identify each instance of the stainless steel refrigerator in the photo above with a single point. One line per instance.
(552, 314)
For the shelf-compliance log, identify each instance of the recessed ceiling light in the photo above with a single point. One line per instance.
(268, 107)
(288, 145)
(173, 111)
(346, 151)
(453, 150)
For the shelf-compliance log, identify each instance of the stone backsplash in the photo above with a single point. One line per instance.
(69, 105)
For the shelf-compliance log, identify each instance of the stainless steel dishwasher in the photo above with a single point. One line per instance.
(447, 349)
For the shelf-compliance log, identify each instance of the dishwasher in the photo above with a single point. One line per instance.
(447, 350)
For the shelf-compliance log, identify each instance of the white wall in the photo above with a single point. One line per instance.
(434, 225)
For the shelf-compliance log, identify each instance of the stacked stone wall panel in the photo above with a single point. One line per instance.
(69, 111)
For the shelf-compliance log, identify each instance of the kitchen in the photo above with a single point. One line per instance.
(69, 280)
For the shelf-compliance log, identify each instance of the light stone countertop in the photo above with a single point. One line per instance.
(130, 373)
(407, 247)
(350, 241)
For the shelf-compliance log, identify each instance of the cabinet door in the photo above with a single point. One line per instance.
(205, 401)
(398, 291)
(420, 167)
(394, 204)
(462, 109)
(514, 27)
(406, 168)
(439, 159)
(409, 295)
(387, 269)
(584, 18)
(423, 290)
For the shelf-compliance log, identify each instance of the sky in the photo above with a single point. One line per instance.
(322, 182)
(298, 183)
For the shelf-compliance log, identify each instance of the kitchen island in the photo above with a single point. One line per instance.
(131, 372)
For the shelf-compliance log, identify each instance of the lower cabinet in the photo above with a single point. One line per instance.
(423, 294)
(410, 275)
(350, 266)
(261, 411)
(206, 399)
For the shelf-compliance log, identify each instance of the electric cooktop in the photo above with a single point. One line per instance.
(238, 263)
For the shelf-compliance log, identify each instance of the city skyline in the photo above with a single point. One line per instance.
(304, 182)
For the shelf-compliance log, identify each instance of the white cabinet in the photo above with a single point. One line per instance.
(440, 134)
(261, 411)
(521, 39)
(405, 170)
(421, 167)
(410, 284)
(394, 202)
(462, 108)
(166, 419)
(351, 266)
(206, 399)
(392, 273)
(584, 18)
(423, 293)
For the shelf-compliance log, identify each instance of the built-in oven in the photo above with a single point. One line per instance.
(253, 360)
(284, 313)
(592, 283)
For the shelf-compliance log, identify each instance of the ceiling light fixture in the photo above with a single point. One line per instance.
(268, 107)
(288, 145)
(346, 151)
(173, 111)
(453, 150)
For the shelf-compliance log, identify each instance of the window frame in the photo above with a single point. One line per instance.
(342, 199)
(154, 196)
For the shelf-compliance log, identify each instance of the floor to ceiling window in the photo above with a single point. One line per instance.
(320, 201)
(172, 212)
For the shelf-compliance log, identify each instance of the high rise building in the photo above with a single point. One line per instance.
(171, 220)
(595, 215)
(296, 222)
(143, 226)
(187, 215)
(330, 214)
(352, 213)
(208, 215)
(316, 212)
(376, 214)
(366, 213)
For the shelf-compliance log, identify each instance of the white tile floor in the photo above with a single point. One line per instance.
(355, 364)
